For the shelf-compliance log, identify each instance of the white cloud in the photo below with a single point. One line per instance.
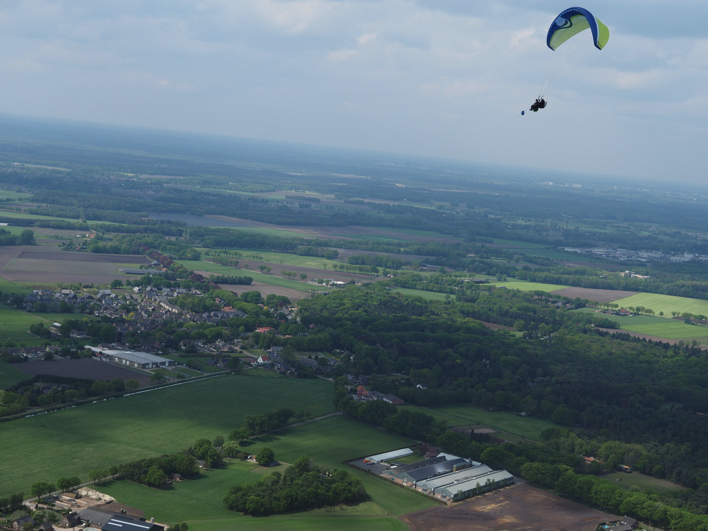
(428, 77)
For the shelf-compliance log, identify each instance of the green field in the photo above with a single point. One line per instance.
(429, 295)
(669, 330)
(511, 423)
(9, 375)
(14, 325)
(329, 442)
(528, 286)
(143, 425)
(285, 259)
(337, 439)
(273, 280)
(654, 326)
(643, 482)
(665, 303)
(267, 231)
(10, 287)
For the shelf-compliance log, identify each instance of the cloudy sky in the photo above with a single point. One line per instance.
(442, 78)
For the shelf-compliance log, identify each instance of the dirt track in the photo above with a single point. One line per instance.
(516, 508)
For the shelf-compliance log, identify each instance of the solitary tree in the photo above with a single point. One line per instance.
(265, 456)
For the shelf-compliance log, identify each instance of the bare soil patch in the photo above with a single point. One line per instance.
(517, 508)
(266, 289)
(82, 368)
(9, 253)
(39, 278)
(597, 295)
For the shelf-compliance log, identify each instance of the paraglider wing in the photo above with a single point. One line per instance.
(571, 22)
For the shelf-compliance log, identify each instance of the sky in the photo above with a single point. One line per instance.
(442, 78)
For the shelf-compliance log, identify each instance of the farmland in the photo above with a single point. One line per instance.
(9, 375)
(273, 280)
(82, 368)
(161, 421)
(528, 286)
(665, 303)
(337, 439)
(14, 325)
(504, 421)
(329, 442)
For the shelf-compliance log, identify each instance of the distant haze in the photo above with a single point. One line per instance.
(443, 78)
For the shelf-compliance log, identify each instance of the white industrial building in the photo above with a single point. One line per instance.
(139, 360)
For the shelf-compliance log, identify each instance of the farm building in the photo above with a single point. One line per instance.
(139, 360)
(427, 469)
(465, 483)
(123, 523)
(388, 456)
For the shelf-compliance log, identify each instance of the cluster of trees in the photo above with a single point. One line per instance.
(574, 377)
(378, 260)
(12, 503)
(329, 254)
(257, 424)
(26, 237)
(155, 471)
(302, 486)
(28, 394)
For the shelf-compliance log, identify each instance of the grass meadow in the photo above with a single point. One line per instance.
(515, 428)
(95, 436)
(333, 441)
(528, 286)
(10, 287)
(428, 295)
(14, 325)
(329, 442)
(285, 259)
(665, 303)
(669, 329)
(643, 482)
(273, 280)
(9, 375)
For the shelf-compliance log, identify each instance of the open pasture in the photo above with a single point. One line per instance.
(665, 303)
(76, 440)
(273, 280)
(528, 286)
(9, 375)
(515, 427)
(333, 441)
(14, 325)
(199, 502)
(626, 481)
(669, 329)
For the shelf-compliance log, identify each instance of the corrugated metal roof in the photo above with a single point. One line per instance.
(464, 486)
(131, 355)
(395, 454)
(397, 471)
(433, 470)
(460, 475)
